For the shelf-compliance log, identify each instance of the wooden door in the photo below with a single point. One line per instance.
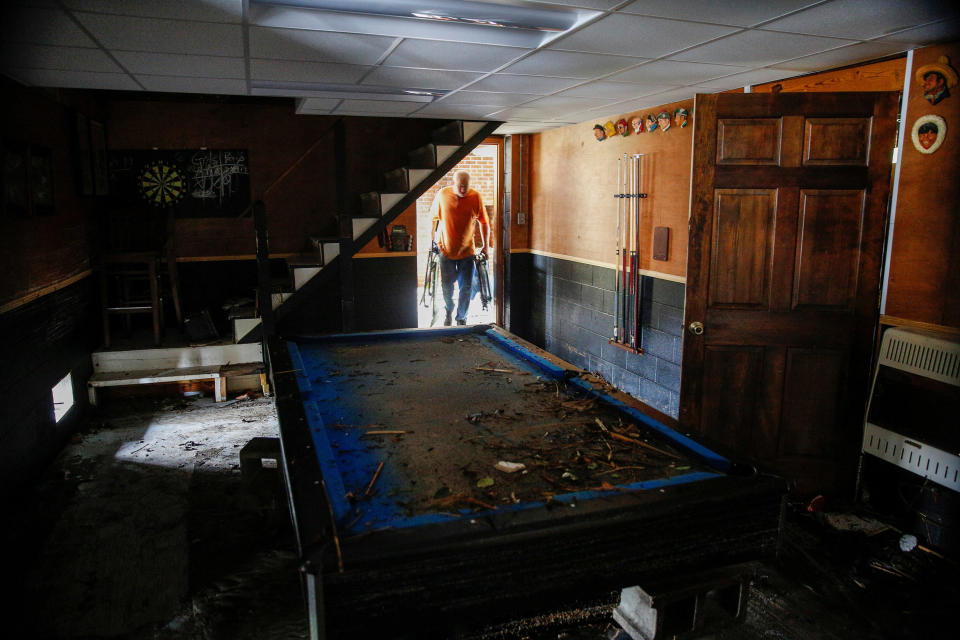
(788, 209)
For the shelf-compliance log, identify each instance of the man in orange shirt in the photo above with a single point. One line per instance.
(458, 209)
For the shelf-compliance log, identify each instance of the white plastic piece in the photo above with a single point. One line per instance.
(509, 467)
(908, 542)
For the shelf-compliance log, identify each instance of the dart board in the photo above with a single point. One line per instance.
(161, 184)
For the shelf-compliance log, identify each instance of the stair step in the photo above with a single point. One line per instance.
(278, 298)
(362, 224)
(470, 129)
(424, 157)
(396, 181)
(418, 175)
(450, 133)
(305, 260)
(456, 132)
(243, 326)
(302, 275)
(375, 204)
(444, 151)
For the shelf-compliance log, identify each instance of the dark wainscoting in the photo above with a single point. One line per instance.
(41, 341)
(567, 308)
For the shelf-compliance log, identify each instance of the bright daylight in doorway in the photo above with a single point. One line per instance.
(482, 164)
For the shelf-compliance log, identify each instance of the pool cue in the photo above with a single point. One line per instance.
(626, 255)
(636, 292)
(616, 264)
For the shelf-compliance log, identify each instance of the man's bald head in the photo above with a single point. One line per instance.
(461, 183)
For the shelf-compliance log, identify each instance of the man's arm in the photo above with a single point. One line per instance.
(484, 223)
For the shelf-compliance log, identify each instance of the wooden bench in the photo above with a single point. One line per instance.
(217, 373)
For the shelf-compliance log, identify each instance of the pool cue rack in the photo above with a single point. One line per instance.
(627, 301)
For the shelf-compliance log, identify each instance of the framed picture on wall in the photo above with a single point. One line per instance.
(41, 181)
(15, 178)
(84, 157)
(98, 145)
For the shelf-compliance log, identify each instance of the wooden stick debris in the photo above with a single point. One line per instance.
(623, 438)
(376, 474)
(494, 370)
(615, 469)
(450, 501)
(385, 432)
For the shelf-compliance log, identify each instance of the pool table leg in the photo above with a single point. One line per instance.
(315, 606)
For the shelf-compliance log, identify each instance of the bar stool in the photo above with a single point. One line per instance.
(137, 258)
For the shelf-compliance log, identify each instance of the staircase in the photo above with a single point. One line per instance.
(377, 209)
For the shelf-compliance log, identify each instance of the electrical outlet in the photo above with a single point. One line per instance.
(521, 217)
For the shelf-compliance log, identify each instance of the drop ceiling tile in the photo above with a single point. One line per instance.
(42, 26)
(377, 106)
(436, 54)
(166, 36)
(743, 14)
(419, 78)
(522, 84)
(171, 64)
(568, 64)
(860, 52)
(757, 76)
(181, 84)
(675, 73)
(857, 19)
(317, 72)
(941, 31)
(561, 104)
(527, 114)
(487, 98)
(317, 104)
(31, 56)
(455, 111)
(654, 101)
(341, 22)
(759, 48)
(639, 36)
(585, 4)
(208, 10)
(613, 90)
(317, 46)
(74, 79)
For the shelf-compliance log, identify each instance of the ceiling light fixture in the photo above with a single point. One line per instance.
(513, 15)
(344, 91)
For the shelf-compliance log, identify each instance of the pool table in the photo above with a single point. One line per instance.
(447, 479)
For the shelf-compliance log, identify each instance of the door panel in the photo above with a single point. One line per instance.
(730, 402)
(813, 381)
(741, 259)
(836, 141)
(788, 207)
(748, 141)
(828, 251)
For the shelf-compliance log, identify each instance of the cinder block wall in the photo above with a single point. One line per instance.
(571, 307)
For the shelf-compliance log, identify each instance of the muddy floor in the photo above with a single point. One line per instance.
(144, 529)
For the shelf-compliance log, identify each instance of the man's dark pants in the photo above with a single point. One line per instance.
(461, 272)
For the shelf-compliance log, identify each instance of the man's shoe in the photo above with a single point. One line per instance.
(461, 322)
(448, 319)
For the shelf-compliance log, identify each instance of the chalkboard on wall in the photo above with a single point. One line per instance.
(189, 183)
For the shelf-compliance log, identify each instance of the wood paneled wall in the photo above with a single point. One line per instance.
(303, 203)
(574, 178)
(886, 75)
(40, 253)
(924, 275)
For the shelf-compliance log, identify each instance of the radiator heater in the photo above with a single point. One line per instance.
(913, 418)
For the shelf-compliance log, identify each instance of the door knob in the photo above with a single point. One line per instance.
(696, 328)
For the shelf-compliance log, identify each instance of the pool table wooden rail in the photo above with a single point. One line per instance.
(494, 565)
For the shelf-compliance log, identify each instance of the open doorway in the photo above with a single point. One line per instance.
(484, 166)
